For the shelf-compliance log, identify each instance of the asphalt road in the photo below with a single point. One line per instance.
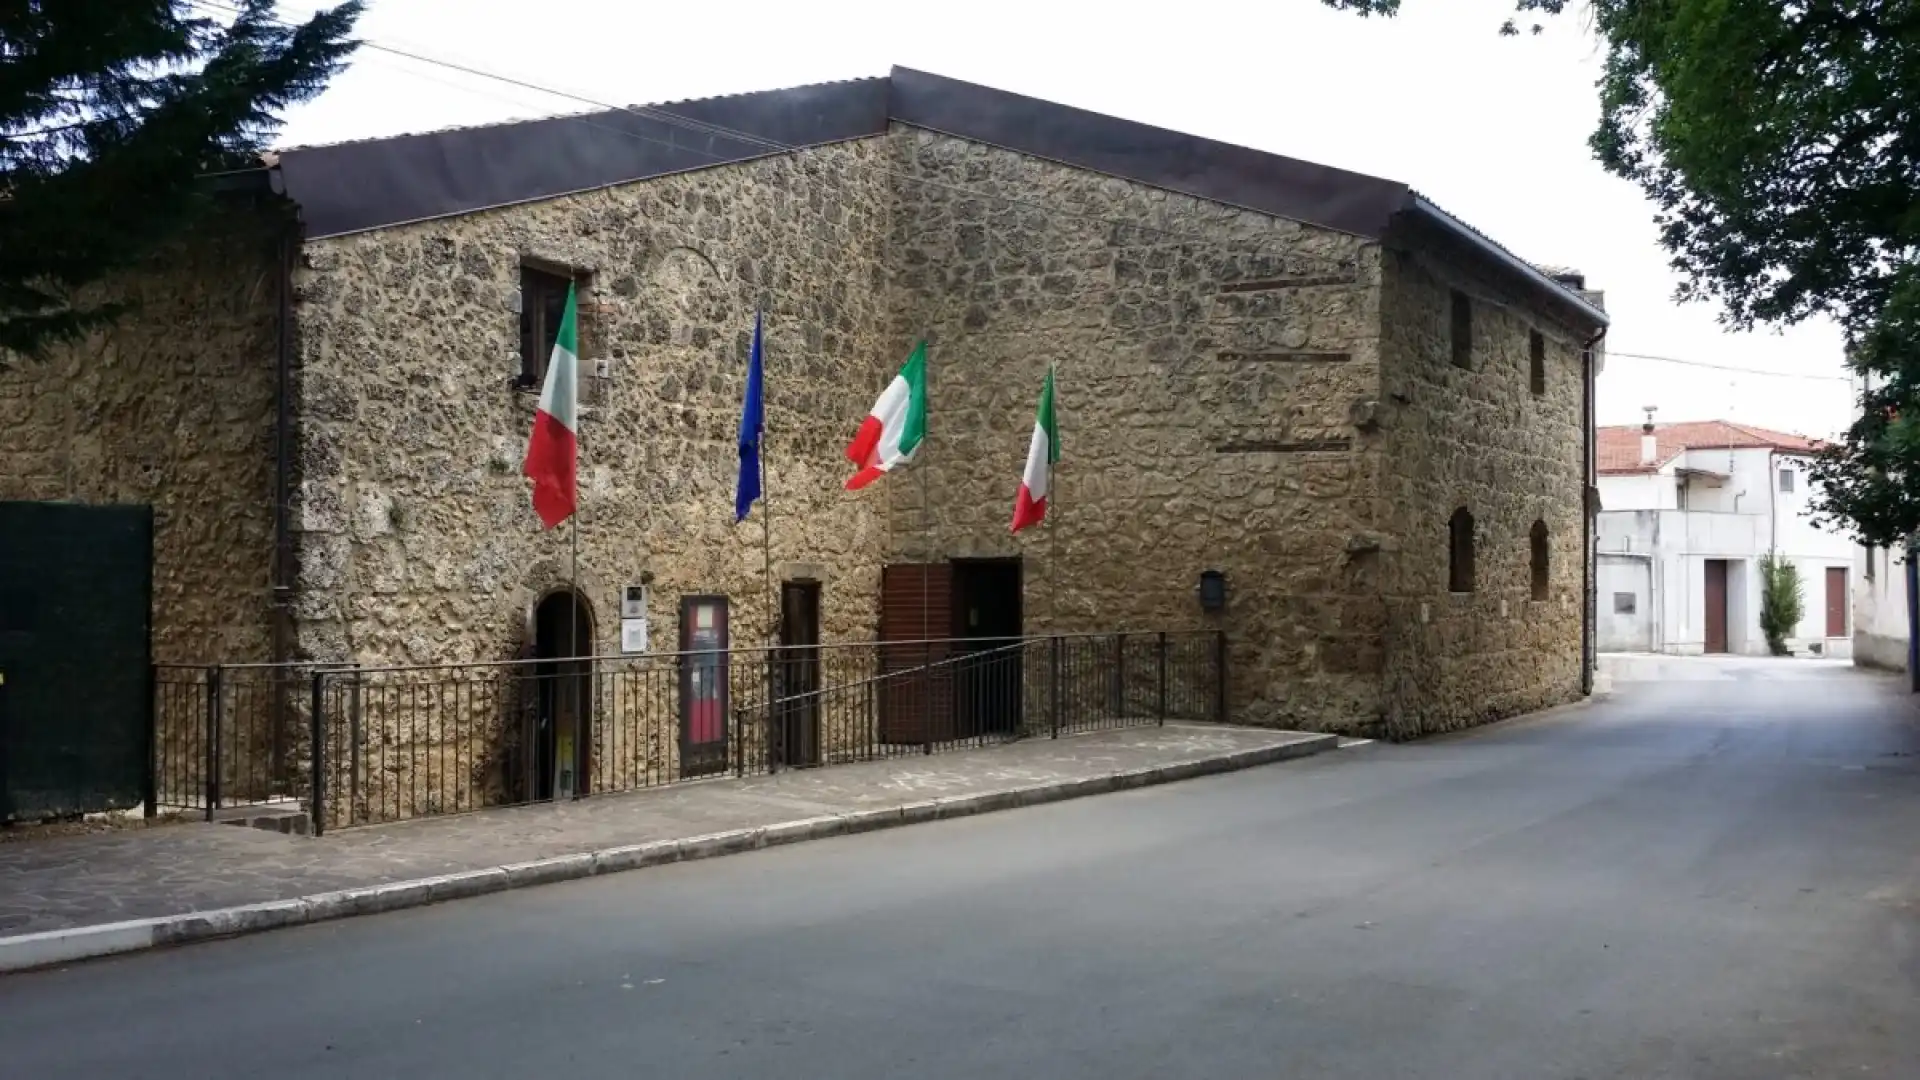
(1714, 878)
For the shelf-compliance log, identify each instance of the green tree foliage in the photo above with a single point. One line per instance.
(1390, 8)
(112, 115)
(1782, 600)
(1780, 144)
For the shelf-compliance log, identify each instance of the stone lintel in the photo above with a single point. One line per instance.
(1286, 356)
(1275, 446)
(1303, 282)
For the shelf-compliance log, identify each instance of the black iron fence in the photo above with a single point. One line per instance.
(363, 745)
(228, 736)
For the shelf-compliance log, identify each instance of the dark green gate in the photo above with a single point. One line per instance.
(76, 707)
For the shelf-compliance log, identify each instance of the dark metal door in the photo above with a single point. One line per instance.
(76, 719)
(1716, 601)
(798, 686)
(1837, 601)
(987, 617)
(703, 685)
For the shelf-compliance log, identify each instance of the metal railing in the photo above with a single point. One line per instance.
(365, 745)
(230, 735)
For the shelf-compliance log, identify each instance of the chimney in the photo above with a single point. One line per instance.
(1649, 446)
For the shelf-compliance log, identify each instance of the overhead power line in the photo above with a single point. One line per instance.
(1729, 367)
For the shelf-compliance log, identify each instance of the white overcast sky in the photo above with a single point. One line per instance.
(1494, 129)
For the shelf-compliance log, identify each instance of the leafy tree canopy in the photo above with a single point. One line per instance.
(1780, 143)
(112, 113)
(1390, 8)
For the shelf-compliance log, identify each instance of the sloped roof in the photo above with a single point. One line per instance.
(375, 183)
(1618, 448)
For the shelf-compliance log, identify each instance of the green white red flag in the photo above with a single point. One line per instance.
(553, 449)
(1036, 483)
(895, 426)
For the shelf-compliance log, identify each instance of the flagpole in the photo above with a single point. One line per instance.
(573, 583)
(1053, 509)
(573, 620)
(926, 515)
(926, 531)
(579, 675)
(766, 499)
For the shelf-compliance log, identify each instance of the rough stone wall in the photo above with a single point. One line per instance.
(1596, 363)
(417, 540)
(1236, 392)
(1478, 438)
(172, 406)
(1212, 363)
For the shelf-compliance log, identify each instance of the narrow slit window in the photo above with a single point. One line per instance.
(1462, 330)
(1537, 362)
(1460, 552)
(1541, 550)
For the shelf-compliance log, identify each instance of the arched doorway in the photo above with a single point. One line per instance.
(563, 697)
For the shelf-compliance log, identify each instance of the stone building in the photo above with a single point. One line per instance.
(1371, 421)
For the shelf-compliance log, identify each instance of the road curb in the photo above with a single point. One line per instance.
(49, 948)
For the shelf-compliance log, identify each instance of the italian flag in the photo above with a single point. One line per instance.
(552, 450)
(896, 425)
(1036, 483)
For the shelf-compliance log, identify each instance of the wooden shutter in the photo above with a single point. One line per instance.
(916, 619)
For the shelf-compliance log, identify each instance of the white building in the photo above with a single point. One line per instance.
(1687, 511)
(1880, 625)
(1880, 608)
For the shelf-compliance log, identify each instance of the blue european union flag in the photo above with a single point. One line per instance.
(752, 423)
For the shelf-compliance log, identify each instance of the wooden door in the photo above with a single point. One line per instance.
(799, 686)
(1837, 599)
(916, 619)
(1716, 605)
(703, 685)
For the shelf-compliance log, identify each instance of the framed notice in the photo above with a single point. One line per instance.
(633, 635)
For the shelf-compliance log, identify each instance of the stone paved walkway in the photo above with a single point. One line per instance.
(107, 877)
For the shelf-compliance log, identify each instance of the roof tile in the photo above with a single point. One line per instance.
(1619, 447)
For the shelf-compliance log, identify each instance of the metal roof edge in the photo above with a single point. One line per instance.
(1225, 173)
(1426, 208)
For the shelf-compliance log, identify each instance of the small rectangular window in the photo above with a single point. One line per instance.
(1786, 481)
(543, 301)
(1871, 552)
(1537, 362)
(1462, 330)
(1625, 603)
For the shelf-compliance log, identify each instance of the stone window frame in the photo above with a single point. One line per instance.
(1537, 362)
(1460, 330)
(536, 337)
(1460, 551)
(1540, 560)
